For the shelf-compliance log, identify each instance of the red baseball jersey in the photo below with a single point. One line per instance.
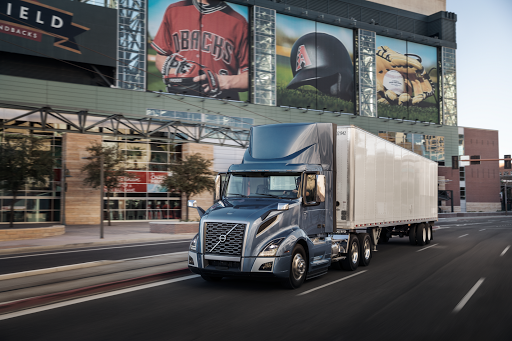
(211, 35)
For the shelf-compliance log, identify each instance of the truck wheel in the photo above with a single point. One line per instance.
(412, 234)
(421, 235)
(429, 233)
(384, 236)
(365, 249)
(210, 278)
(352, 261)
(298, 268)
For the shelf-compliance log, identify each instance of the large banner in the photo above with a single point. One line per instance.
(314, 65)
(198, 49)
(407, 83)
(67, 30)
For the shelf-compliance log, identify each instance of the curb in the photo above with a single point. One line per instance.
(86, 291)
(81, 245)
(57, 269)
(79, 266)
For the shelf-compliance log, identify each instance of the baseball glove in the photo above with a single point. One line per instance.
(416, 82)
(179, 73)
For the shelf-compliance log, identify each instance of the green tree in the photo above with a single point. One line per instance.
(114, 171)
(23, 161)
(190, 176)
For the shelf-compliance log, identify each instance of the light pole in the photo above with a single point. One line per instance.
(102, 189)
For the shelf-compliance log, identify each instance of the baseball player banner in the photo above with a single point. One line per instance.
(407, 84)
(314, 65)
(198, 48)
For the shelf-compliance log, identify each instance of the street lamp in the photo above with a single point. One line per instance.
(101, 189)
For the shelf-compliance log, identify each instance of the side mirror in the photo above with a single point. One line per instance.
(320, 188)
(218, 194)
(193, 203)
(283, 207)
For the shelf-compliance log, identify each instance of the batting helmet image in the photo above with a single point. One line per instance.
(321, 60)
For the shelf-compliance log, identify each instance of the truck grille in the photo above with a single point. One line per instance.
(224, 238)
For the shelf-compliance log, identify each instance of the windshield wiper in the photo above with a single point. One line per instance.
(270, 195)
(243, 196)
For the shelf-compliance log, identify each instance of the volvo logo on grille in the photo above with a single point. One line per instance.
(222, 238)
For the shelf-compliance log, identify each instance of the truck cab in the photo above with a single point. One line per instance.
(273, 211)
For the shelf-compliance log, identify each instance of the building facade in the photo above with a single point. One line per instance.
(136, 76)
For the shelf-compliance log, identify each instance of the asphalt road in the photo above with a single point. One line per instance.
(49, 259)
(459, 288)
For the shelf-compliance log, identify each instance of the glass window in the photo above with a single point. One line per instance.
(310, 190)
(264, 184)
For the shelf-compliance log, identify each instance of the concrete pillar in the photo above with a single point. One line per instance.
(204, 199)
(82, 203)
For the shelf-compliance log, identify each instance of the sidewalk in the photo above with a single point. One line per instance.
(89, 235)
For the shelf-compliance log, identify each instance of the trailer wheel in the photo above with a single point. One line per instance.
(429, 233)
(421, 234)
(384, 236)
(352, 261)
(298, 268)
(365, 249)
(210, 278)
(412, 234)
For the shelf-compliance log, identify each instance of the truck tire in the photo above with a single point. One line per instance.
(384, 236)
(412, 234)
(365, 251)
(421, 234)
(429, 233)
(352, 261)
(298, 268)
(210, 278)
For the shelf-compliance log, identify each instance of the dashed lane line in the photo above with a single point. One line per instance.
(93, 297)
(428, 247)
(462, 236)
(481, 230)
(466, 298)
(331, 283)
(505, 251)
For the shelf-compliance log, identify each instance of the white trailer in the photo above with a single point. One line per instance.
(379, 183)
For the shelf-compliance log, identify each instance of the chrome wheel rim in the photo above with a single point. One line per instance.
(424, 234)
(355, 253)
(429, 234)
(298, 266)
(366, 249)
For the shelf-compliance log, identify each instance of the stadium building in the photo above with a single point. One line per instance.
(163, 79)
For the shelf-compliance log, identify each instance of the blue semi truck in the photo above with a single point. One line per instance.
(310, 196)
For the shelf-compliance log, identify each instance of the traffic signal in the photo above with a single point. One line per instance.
(455, 162)
(508, 163)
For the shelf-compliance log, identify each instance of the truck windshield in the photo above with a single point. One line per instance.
(276, 185)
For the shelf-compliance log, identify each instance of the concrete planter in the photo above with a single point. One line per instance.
(173, 227)
(31, 233)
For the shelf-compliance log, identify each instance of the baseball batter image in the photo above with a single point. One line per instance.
(202, 49)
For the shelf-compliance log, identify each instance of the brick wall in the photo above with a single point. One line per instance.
(204, 199)
(82, 202)
(31, 233)
(483, 180)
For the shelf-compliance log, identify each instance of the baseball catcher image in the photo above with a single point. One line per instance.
(401, 79)
(202, 49)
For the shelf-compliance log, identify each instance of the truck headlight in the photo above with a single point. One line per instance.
(271, 249)
(193, 243)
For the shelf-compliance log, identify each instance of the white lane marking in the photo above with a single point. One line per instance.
(428, 247)
(481, 230)
(462, 236)
(466, 298)
(443, 227)
(504, 251)
(331, 283)
(103, 248)
(93, 297)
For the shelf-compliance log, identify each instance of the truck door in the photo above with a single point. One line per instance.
(313, 212)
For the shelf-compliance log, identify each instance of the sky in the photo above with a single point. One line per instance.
(484, 53)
